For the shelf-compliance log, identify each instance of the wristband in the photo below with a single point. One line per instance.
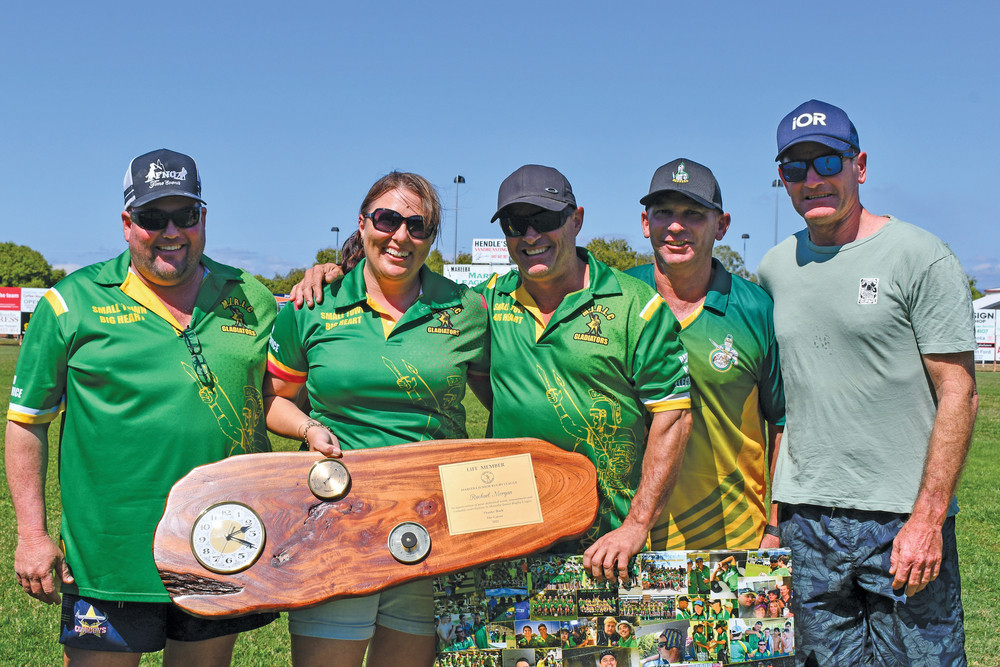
(772, 530)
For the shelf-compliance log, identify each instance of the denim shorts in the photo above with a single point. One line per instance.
(141, 627)
(408, 608)
(846, 612)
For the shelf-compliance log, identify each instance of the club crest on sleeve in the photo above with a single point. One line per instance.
(868, 292)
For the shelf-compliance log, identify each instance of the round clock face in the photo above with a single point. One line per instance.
(227, 537)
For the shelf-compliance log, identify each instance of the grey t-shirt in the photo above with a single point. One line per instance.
(852, 322)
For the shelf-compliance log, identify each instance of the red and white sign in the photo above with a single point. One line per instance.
(10, 298)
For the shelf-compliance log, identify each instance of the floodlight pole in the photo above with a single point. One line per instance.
(336, 249)
(458, 179)
(776, 183)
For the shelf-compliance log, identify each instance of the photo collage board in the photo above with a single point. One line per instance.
(677, 607)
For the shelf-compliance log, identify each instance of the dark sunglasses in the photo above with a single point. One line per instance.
(388, 221)
(200, 365)
(825, 165)
(542, 221)
(154, 220)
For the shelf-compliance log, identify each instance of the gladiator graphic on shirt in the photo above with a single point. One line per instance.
(421, 394)
(596, 433)
(241, 427)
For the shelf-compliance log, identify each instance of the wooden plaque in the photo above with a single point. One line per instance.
(317, 550)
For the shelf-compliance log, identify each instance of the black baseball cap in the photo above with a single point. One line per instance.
(538, 185)
(688, 178)
(161, 173)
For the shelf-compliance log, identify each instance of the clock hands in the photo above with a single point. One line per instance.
(239, 530)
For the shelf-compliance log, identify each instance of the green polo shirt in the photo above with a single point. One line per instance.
(586, 380)
(718, 502)
(137, 417)
(373, 389)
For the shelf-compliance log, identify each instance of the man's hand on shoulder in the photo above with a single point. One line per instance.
(310, 289)
(35, 560)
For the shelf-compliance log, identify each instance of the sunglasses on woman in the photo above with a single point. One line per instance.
(825, 165)
(542, 221)
(155, 220)
(388, 221)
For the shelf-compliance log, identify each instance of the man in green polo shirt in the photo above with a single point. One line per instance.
(737, 405)
(157, 358)
(582, 354)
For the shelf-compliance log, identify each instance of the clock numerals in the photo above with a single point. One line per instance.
(227, 537)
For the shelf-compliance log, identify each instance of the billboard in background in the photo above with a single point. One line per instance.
(30, 296)
(473, 274)
(490, 251)
(10, 322)
(10, 298)
(986, 335)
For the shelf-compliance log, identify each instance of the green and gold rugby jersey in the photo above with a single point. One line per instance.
(137, 416)
(586, 381)
(718, 502)
(374, 382)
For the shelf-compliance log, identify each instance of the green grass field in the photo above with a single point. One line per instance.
(30, 628)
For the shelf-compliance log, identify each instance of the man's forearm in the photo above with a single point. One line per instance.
(958, 401)
(26, 459)
(661, 464)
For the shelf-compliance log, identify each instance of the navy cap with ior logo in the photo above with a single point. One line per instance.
(161, 173)
(688, 178)
(538, 185)
(819, 122)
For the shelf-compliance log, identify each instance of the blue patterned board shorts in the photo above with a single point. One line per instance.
(846, 612)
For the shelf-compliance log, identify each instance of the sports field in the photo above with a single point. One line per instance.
(30, 628)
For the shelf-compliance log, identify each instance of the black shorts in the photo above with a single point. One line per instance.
(141, 627)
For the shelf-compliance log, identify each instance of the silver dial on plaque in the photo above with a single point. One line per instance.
(409, 542)
(227, 538)
(329, 479)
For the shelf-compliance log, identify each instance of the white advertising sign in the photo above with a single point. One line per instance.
(10, 322)
(985, 353)
(473, 274)
(986, 326)
(490, 251)
(30, 297)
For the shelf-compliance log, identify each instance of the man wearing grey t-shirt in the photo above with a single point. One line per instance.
(873, 319)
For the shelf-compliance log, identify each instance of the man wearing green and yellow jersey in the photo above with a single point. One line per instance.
(157, 357)
(412, 389)
(737, 401)
(581, 354)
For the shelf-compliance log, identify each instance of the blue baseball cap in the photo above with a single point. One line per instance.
(819, 122)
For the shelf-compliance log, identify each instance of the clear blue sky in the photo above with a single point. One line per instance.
(292, 110)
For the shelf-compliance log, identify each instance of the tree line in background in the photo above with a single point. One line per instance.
(20, 266)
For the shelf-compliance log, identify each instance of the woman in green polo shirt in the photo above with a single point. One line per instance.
(384, 361)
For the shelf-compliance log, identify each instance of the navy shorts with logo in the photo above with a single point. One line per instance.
(846, 612)
(141, 627)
